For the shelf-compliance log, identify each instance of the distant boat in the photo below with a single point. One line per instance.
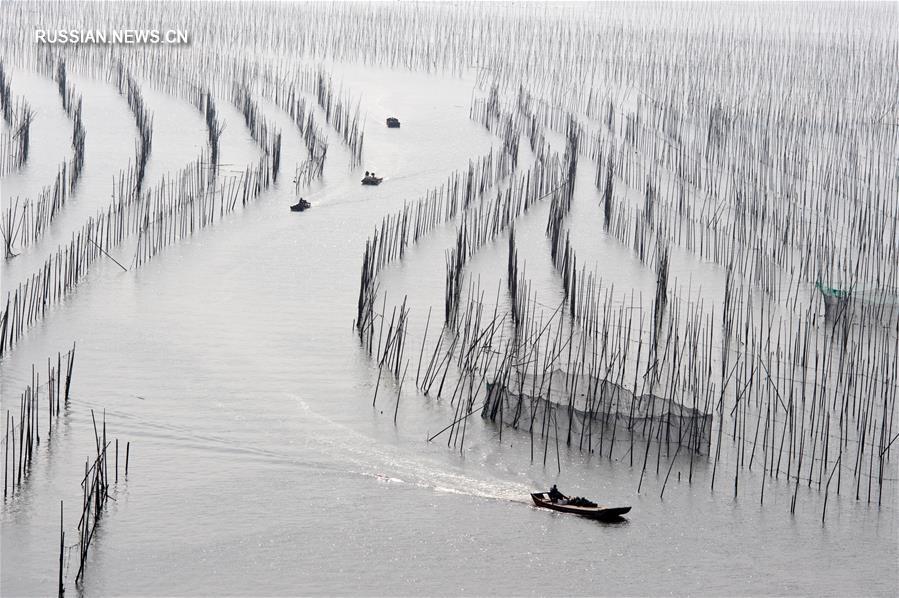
(393, 123)
(541, 499)
(300, 206)
(372, 180)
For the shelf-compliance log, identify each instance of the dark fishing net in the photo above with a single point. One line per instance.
(576, 406)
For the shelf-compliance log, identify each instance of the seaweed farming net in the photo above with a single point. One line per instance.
(586, 404)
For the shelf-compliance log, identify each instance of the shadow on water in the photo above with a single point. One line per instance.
(616, 521)
(610, 521)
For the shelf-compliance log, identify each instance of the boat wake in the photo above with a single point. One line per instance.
(341, 449)
(366, 457)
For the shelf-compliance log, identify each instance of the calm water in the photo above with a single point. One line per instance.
(258, 464)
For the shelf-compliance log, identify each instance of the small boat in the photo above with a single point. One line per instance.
(541, 499)
(393, 123)
(300, 206)
(372, 180)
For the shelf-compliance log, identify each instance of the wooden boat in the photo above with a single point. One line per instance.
(372, 180)
(393, 123)
(300, 206)
(541, 499)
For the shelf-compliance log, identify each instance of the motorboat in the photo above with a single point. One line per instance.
(541, 499)
(300, 206)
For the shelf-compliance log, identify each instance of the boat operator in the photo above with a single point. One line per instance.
(554, 494)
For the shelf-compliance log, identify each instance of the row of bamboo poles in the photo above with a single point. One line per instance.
(130, 89)
(22, 439)
(24, 434)
(170, 211)
(289, 96)
(265, 135)
(24, 221)
(17, 115)
(96, 486)
(339, 113)
(175, 208)
(413, 222)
